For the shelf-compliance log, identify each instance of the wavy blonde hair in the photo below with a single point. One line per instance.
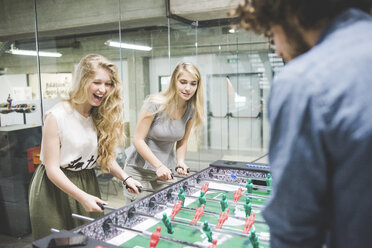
(168, 100)
(108, 116)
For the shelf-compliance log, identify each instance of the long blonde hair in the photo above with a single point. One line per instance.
(107, 117)
(168, 100)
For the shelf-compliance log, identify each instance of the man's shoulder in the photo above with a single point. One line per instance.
(291, 80)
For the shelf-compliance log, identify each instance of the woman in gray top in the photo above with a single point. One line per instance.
(166, 120)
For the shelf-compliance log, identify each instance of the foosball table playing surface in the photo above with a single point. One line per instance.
(219, 206)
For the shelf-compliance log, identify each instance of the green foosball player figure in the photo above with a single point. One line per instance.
(269, 182)
(247, 207)
(268, 179)
(207, 230)
(182, 196)
(249, 186)
(167, 223)
(254, 239)
(224, 203)
(202, 199)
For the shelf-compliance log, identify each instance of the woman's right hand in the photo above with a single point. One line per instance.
(90, 203)
(133, 186)
(163, 173)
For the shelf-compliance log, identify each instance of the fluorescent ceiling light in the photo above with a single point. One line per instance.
(16, 51)
(34, 53)
(127, 46)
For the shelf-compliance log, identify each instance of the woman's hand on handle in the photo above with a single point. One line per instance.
(133, 185)
(164, 173)
(91, 203)
(182, 168)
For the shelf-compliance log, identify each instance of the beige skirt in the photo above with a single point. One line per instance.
(50, 207)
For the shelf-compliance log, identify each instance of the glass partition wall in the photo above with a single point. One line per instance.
(16, 70)
(236, 67)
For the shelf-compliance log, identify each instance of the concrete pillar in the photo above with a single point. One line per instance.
(139, 88)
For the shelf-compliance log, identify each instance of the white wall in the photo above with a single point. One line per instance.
(8, 82)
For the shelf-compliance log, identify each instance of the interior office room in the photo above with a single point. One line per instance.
(41, 43)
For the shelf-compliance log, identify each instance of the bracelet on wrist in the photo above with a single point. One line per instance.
(126, 179)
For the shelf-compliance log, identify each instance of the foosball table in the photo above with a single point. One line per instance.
(219, 206)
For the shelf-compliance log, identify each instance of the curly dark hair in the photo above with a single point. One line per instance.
(260, 15)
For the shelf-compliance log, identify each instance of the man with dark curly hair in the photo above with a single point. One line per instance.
(320, 114)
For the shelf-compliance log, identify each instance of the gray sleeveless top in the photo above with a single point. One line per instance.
(164, 132)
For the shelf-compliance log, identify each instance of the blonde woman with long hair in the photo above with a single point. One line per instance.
(165, 122)
(79, 133)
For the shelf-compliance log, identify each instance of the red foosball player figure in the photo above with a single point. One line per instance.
(155, 236)
(198, 213)
(223, 217)
(249, 221)
(214, 244)
(237, 194)
(176, 208)
(205, 187)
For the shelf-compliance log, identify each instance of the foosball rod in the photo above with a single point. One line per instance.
(212, 189)
(208, 212)
(189, 224)
(175, 169)
(227, 191)
(263, 188)
(166, 238)
(193, 209)
(81, 217)
(216, 200)
(208, 199)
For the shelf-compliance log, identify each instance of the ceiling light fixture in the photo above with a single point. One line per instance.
(127, 46)
(14, 50)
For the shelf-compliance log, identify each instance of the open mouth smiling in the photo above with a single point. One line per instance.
(98, 97)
